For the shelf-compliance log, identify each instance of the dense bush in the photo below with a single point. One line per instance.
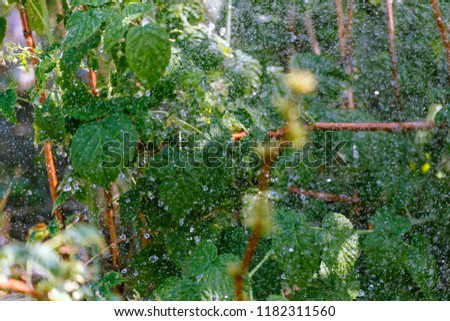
(199, 124)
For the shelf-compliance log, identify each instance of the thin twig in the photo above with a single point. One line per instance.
(338, 198)
(442, 30)
(344, 39)
(309, 24)
(341, 28)
(257, 267)
(393, 57)
(111, 225)
(229, 17)
(348, 51)
(48, 152)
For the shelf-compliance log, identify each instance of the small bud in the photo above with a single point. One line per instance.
(301, 81)
(297, 134)
(425, 168)
(260, 216)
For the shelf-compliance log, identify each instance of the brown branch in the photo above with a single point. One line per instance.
(442, 30)
(344, 39)
(338, 198)
(389, 127)
(49, 159)
(341, 29)
(348, 51)
(143, 230)
(111, 225)
(309, 24)
(12, 285)
(393, 57)
(395, 126)
(263, 184)
(110, 214)
(249, 253)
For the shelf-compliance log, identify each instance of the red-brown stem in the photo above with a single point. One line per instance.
(263, 184)
(348, 51)
(49, 159)
(395, 126)
(393, 57)
(389, 127)
(111, 225)
(344, 38)
(143, 231)
(338, 198)
(309, 24)
(21, 287)
(442, 30)
(93, 83)
(341, 28)
(249, 253)
(110, 214)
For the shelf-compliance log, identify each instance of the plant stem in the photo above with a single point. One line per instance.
(341, 28)
(229, 16)
(111, 225)
(265, 258)
(49, 159)
(21, 287)
(393, 57)
(46, 21)
(442, 30)
(309, 24)
(339, 198)
(344, 39)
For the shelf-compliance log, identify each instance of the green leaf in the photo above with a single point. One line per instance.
(295, 246)
(34, 13)
(108, 281)
(81, 25)
(422, 266)
(387, 222)
(340, 241)
(7, 104)
(148, 52)
(191, 231)
(130, 203)
(218, 281)
(134, 11)
(200, 260)
(212, 270)
(176, 289)
(50, 119)
(99, 150)
(114, 31)
(94, 3)
(2, 28)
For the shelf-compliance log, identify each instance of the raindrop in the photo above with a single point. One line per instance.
(153, 258)
(123, 271)
(146, 236)
(291, 249)
(283, 276)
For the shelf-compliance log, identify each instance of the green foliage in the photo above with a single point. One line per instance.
(171, 91)
(100, 149)
(2, 28)
(80, 27)
(50, 119)
(148, 52)
(8, 104)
